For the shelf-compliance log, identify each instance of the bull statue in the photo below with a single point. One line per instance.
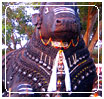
(55, 62)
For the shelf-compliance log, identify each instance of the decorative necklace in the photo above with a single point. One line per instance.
(60, 44)
(43, 40)
(60, 68)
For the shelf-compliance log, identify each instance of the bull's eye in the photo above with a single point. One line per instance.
(46, 10)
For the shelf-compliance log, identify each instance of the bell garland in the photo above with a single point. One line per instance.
(61, 42)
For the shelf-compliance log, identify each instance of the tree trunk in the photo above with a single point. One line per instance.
(13, 40)
(92, 16)
(95, 37)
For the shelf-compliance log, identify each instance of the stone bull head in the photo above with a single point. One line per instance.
(58, 22)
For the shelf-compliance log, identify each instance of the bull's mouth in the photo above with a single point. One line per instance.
(63, 36)
(65, 32)
(61, 33)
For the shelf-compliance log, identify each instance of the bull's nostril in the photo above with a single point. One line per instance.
(58, 21)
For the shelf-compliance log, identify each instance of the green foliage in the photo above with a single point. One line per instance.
(3, 52)
(95, 55)
(84, 13)
(17, 22)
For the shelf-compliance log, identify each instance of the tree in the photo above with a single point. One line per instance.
(17, 25)
(90, 25)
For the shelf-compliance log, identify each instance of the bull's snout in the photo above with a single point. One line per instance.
(59, 22)
(65, 25)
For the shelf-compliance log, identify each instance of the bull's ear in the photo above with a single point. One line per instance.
(36, 17)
